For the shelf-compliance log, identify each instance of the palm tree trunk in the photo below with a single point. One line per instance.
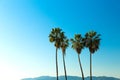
(90, 66)
(64, 67)
(56, 64)
(81, 67)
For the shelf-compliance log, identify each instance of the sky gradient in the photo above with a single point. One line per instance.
(25, 50)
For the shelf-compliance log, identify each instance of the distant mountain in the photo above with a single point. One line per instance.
(71, 78)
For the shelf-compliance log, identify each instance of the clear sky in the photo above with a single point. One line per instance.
(25, 50)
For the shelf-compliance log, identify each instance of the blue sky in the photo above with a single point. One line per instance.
(25, 50)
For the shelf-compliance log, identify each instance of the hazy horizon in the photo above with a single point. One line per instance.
(68, 76)
(25, 50)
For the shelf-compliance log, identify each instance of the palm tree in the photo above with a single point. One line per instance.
(77, 44)
(64, 45)
(55, 36)
(92, 41)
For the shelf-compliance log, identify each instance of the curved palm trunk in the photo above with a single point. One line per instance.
(90, 66)
(81, 67)
(56, 64)
(64, 67)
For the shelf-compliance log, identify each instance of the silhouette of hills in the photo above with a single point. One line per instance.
(71, 78)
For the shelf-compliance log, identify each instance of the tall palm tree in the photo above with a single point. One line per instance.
(64, 45)
(92, 41)
(77, 44)
(55, 36)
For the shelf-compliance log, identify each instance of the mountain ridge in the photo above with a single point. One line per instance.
(72, 78)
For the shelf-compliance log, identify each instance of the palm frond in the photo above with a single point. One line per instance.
(92, 41)
(77, 43)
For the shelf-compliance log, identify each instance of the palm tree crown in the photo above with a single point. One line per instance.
(55, 36)
(64, 42)
(77, 43)
(92, 41)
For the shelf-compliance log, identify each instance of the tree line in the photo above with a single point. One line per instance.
(91, 40)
